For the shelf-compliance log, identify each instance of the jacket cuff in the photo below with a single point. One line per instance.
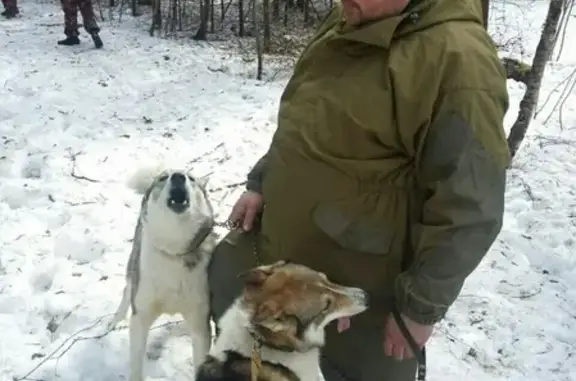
(254, 186)
(414, 307)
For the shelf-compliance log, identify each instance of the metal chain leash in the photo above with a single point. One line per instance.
(235, 225)
(256, 356)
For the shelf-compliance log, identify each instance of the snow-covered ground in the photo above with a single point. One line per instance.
(74, 122)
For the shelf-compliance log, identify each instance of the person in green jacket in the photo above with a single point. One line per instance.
(387, 172)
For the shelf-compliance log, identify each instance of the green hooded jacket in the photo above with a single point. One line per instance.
(387, 169)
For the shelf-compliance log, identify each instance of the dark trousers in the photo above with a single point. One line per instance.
(354, 355)
(9, 4)
(71, 8)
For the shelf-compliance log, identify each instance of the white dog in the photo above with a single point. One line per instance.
(167, 268)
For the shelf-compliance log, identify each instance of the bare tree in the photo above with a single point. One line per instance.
(276, 10)
(212, 16)
(485, 12)
(257, 36)
(156, 16)
(241, 29)
(266, 26)
(533, 78)
(202, 32)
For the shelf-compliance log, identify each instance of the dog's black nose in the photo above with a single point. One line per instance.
(366, 298)
(177, 179)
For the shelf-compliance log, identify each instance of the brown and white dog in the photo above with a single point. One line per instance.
(275, 330)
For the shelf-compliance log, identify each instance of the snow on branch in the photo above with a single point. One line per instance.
(516, 70)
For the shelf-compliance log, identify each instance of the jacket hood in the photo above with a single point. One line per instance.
(418, 16)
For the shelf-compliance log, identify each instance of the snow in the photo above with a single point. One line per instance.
(76, 122)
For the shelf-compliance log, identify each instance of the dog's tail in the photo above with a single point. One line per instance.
(143, 178)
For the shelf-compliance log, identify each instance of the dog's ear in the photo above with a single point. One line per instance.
(203, 180)
(254, 277)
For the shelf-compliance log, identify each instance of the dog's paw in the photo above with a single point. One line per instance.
(113, 323)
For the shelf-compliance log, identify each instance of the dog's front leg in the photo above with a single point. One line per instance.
(198, 325)
(140, 324)
(122, 310)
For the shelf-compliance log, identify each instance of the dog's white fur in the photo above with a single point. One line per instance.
(234, 335)
(166, 285)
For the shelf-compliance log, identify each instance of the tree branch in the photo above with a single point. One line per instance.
(73, 173)
(534, 80)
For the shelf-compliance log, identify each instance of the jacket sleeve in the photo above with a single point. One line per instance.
(461, 168)
(256, 175)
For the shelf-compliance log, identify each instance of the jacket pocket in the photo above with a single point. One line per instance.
(359, 226)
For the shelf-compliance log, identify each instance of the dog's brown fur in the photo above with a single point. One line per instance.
(286, 298)
(282, 302)
(237, 367)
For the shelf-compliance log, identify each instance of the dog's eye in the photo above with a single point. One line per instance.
(190, 178)
(163, 178)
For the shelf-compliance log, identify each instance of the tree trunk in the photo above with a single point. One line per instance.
(156, 17)
(202, 32)
(212, 21)
(241, 29)
(265, 25)
(256, 24)
(286, 7)
(134, 6)
(485, 12)
(276, 10)
(534, 78)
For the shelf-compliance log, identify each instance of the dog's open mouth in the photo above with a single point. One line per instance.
(178, 200)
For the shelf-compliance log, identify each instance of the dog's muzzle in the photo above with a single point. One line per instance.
(360, 296)
(178, 197)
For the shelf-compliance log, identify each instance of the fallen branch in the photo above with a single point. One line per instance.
(203, 156)
(526, 295)
(528, 189)
(227, 186)
(73, 173)
(73, 339)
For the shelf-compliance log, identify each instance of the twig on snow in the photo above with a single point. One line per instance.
(72, 340)
(80, 203)
(227, 186)
(73, 173)
(197, 159)
(528, 189)
(526, 294)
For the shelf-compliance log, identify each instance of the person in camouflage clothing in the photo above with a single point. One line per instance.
(387, 171)
(10, 8)
(71, 8)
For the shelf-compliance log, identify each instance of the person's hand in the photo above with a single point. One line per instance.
(246, 208)
(395, 345)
